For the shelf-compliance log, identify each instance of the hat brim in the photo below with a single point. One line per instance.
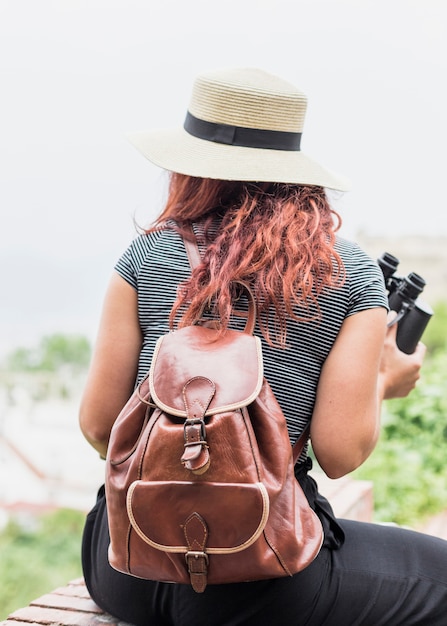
(178, 151)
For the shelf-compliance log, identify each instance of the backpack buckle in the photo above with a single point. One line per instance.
(196, 535)
(197, 562)
(193, 422)
(196, 456)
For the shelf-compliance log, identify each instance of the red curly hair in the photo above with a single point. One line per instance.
(277, 237)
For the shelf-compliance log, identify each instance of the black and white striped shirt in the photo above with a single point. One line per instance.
(154, 264)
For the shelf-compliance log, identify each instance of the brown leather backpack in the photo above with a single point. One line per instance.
(200, 478)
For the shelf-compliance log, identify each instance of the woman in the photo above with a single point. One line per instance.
(328, 355)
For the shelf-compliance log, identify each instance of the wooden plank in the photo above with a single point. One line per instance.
(70, 602)
(48, 616)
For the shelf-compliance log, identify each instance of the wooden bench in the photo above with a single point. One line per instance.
(66, 606)
(72, 606)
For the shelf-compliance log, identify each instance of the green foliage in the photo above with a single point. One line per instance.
(51, 353)
(408, 466)
(38, 557)
(435, 335)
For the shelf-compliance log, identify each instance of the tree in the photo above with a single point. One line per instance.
(51, 353)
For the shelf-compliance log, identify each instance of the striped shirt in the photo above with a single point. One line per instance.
(155, 263)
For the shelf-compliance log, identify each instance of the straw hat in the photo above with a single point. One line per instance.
(242, 124)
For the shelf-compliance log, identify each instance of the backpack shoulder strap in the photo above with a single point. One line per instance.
(192, 249)
(298, 447)
(194, 258)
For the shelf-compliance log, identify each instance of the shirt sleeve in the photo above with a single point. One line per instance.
(130, 263)
(367, 285)
(126, 267)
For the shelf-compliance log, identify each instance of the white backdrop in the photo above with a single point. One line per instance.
(76, 75)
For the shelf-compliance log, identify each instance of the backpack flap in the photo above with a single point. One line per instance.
(203, 368)
(197, 353)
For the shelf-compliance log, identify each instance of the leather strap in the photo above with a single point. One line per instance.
(196, 534)
(298, 446)
(192, 249)
(194, 258)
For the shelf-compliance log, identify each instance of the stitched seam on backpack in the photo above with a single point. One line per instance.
(184, 549)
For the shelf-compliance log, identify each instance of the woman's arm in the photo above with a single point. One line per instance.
(114, 365)
(363, 368)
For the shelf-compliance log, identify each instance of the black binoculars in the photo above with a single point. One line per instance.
(413, 314)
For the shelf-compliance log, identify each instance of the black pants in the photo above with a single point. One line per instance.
(380, 575)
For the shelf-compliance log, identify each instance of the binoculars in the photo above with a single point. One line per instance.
(413, 314)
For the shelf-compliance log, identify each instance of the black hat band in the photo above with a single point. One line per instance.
(240, 136)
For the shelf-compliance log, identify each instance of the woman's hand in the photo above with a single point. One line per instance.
(398, 372)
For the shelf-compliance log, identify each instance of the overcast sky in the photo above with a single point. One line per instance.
(76, 75)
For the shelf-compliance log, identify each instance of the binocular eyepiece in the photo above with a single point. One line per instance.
(413, 314)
